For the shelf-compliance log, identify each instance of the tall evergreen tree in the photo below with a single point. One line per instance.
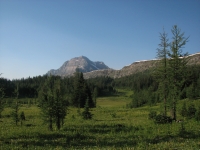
(177, 64)
(76, 96)
(161, 73)
(81, 92)
(59, 105)
(46, 102)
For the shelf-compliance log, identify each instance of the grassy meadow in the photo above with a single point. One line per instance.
(113, 126)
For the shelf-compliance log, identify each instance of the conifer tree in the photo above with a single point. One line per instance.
(76, 96)
(52, 103)
(59, 105)
(81, 92)
(15, 112)
(177, 67)
(22, 117)
(161, 73)
(86, 114)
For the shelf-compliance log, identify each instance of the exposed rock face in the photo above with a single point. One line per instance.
(125, 71)
(135, 67)
(82, 63)
(194, 59)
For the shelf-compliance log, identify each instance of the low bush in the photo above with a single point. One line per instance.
(191, 111)
(152, 114)
(162, 119)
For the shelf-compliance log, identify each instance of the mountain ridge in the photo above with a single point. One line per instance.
(137, 66)
(92, 69)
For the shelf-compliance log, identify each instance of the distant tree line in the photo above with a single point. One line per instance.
(75, 89)
(144, 85)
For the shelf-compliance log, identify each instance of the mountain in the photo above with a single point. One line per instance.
(82, 63)
(135, 67)
(92, 69)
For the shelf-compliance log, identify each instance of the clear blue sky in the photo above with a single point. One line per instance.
(39, 35)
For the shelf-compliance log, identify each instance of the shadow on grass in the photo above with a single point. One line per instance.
(77, 140)
(103, 128)
(74, 136)
(101, 135)
(181, 136)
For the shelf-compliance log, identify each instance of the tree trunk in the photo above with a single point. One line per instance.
(165, 107)
(50, 124)
(58, 123)
(173, 112)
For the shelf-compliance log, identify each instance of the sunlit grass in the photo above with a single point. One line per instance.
(118, 100)
(112, 127)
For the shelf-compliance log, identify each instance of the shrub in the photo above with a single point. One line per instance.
(152, 114)
(191, 111)
(113, 115)
(197, 114)
(184, 111)
(162, 119)
(86, 114)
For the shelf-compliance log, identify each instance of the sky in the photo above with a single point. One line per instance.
(39, 35)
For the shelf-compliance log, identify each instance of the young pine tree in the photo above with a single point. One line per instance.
(86, 114)
(22, 117)
(15, 112)
(51, 102)
(16, 105)
(59, 105)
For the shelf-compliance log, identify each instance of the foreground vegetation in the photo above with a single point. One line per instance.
(113, 126)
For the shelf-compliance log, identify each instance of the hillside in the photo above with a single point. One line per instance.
(135, 67)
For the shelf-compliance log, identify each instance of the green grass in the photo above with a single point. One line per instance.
(120, 99)
(112, 127)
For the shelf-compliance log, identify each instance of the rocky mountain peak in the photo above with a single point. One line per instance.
(82, 63)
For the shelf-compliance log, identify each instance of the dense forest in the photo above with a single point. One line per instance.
(144, 85)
